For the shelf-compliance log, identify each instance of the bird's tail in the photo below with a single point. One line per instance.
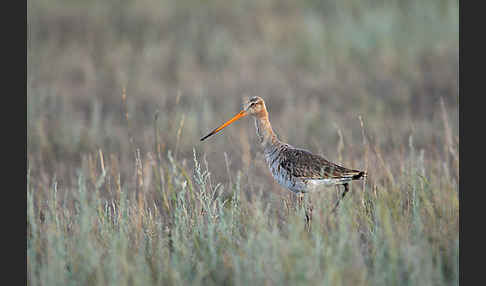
(361, 174)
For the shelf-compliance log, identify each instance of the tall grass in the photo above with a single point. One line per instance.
(194, 231)
(121, 191)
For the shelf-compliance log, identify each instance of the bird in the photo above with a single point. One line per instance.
(296, 169)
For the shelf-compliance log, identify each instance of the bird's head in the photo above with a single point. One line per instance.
(254, 106)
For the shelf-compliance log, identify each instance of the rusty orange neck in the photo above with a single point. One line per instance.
(264, 130)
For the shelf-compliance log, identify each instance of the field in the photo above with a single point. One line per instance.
(120, 191)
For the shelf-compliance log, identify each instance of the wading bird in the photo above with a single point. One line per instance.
(298, 170)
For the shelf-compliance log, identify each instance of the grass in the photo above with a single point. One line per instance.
(121, 191)
(191, 230)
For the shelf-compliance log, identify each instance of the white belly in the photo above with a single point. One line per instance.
(300, 185)
(296, 184)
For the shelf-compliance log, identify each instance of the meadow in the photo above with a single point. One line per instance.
(120, 191)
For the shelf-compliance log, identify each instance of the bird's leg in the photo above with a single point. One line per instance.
(346, 189)
(307, 208)
(308, 215)
(300, 199)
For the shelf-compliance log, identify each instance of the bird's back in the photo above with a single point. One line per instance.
(301, 171)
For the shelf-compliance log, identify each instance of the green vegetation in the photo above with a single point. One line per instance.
(121, 192)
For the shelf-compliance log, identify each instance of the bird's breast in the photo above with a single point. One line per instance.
(282, 175)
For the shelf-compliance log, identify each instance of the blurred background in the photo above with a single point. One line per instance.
(100, 71)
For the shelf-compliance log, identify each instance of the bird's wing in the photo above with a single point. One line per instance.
(302, 163)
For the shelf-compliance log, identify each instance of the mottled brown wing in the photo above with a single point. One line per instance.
(302, 163)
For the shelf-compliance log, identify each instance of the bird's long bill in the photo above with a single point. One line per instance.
(236, 117)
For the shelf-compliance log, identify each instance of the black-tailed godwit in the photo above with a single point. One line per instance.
(298, 170)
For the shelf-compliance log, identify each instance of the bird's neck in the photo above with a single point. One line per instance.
(266, 136)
